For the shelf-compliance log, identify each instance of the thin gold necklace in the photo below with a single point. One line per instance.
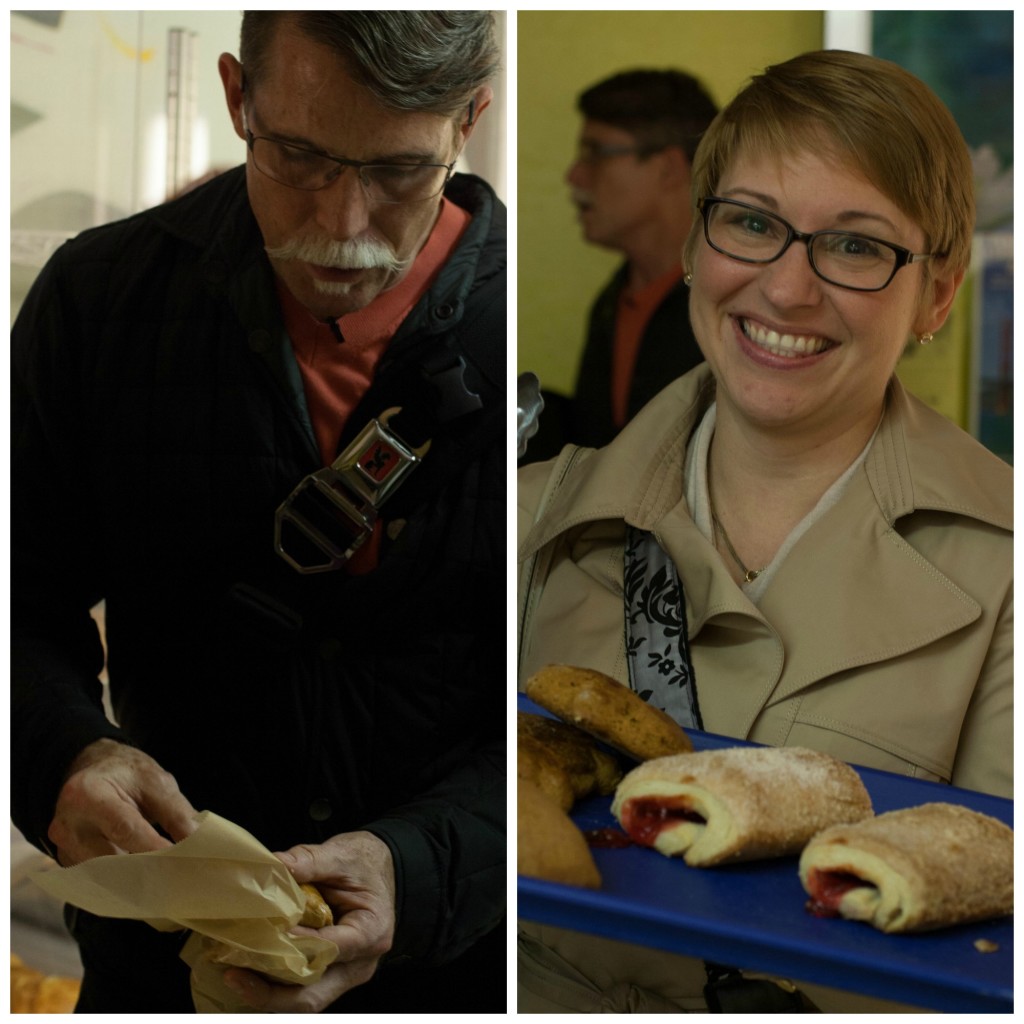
(749, 575)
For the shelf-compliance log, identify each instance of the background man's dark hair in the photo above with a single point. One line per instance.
(431, 61)
(658, 108)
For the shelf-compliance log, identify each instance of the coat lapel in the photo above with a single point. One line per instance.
(868, 595)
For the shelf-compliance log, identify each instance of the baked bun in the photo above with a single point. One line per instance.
(550, 846)
(605, 708)
(562, 761)
(912, 870)
(738, 803)
(35, 992)
(317, 913)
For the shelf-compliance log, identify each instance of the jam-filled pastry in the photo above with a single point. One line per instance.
(912, 870)
(737, 804)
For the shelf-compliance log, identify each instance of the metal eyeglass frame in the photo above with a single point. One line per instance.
(341, 163)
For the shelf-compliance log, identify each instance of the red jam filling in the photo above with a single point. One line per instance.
(646, 817)
(827, 889)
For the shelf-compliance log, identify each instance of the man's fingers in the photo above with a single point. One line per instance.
(359, 935)
(171, 812)
(268, 997)
(113, 828)
(72, 852)
(118, 800)
(302, 862)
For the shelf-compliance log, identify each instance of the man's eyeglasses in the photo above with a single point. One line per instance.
(594, 152)
(310, 170)
(752, 235)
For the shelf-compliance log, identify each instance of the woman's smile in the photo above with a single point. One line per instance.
(789, 345)
(786, 346)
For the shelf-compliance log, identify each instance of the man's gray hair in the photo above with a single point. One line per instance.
(432, 61)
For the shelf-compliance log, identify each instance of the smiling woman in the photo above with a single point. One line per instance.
(792, 504)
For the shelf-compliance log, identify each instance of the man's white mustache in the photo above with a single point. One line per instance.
(351, 254)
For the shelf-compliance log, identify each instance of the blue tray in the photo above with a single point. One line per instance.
(752, 915)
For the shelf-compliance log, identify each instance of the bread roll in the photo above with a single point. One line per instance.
(550, 846)
(562, 761)
(912, 870)
(35, 992)
(737, 804)
(605, 708)
(317, 913)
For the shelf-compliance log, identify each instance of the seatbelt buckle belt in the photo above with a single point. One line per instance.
(325, 519)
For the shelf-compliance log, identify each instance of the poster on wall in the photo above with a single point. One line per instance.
(967, 58)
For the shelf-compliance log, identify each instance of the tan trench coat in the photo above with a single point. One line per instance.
(884, 638)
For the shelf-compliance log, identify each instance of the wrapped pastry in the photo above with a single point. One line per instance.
(563, 761)
(910, 870)
(605, 708)
(316, 913)
(740, 803)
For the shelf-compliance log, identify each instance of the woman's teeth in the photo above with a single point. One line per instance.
(789, 345)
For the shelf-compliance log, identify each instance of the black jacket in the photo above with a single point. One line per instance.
(667, 351)
(158, 422)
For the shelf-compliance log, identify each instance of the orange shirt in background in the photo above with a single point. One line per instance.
(635, 310)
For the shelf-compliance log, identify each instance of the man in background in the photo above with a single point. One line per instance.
(324, 667)
(630, 183)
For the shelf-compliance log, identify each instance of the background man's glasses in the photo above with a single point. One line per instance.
(311, 171)
(752, 235)
(596, 152)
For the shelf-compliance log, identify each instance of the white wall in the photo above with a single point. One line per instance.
(89, 122)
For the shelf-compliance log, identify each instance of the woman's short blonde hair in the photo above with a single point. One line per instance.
(867, 112)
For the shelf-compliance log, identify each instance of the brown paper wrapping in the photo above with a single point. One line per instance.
(238, 900)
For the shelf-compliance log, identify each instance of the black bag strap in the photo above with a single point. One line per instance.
(331, 512)
(447, 387)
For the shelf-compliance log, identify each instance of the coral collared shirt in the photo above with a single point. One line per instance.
(336, 375)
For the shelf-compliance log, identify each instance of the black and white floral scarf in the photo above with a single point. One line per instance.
(657, 641)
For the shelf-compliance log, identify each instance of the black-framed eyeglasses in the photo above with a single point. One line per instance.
(747, 233)
(311, 170)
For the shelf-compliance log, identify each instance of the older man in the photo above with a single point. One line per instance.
(265, 423)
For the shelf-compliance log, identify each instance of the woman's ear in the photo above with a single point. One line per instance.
(935, 306)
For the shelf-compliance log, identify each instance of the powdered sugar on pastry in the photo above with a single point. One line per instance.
(740, 803)
(914, 869)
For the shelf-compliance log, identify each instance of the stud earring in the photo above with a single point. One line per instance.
(687, 279)
(925, 339)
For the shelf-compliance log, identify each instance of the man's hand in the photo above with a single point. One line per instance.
(355, 873)
(113, 797)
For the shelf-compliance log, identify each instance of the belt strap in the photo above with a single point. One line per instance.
(331, 512)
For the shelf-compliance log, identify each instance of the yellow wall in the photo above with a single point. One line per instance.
(560, 53)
